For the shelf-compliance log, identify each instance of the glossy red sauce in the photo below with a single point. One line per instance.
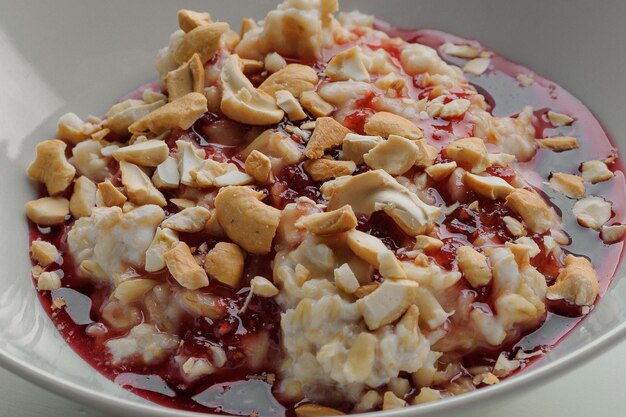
(237, 388)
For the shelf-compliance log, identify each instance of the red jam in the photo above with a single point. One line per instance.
(230, 390)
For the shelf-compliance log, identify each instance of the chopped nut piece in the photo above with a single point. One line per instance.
(83, 198)
(385, 124)
(51, 166)
(198, 367)
(570, 185)
(592, 212)
(396, 155)
(259, 167)
(164, 240)
(427, 395)
(327, 169)
(477, 66)
(48, 211)
(355, 146)
(184, 268)
(345, 279)
(532, 208)
(150, 153)
(110, 195)
(427, 243)
(331, 222)
(295, 78)
(525, 80)
(225, 263)
(316, 105)
(314, 410)
(203, 40)
(241, 101)
(455, 108)
(469, 152)
(502, 159)
(188, 161)
(188, 20)
(133, 290)
(246, 220)
(460, 51)
(48, 281)
(486, 378)
(190, 220)
(181, 114)
(187, 78)
(514, 226)
(387, 303)
(72, 129)
(263, 287)
(138, 186)
(347, 65)
(440, 172)
(166, 175)
(596, 171)
(361, 356)
(558, 119)
(328, 133)
(290, 105)
(378, 191)
(426, 154)
(612, 234)
(273, 62)
(366, 289)
(577, 283)
(473, 265)
(390, 401)
(207, 172)
(44, 253)
(504, 366)
(559, 143)
(494, 188)
(233, 177)
(247, 24)
(122, 115)
(389, 266)
(366, 246)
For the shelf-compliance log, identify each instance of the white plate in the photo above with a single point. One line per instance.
(83, 55)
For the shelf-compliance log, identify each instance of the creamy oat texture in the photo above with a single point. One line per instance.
(357, 315)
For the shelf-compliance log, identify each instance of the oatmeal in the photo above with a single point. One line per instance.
(325, 214)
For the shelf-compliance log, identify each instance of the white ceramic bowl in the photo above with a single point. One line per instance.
(78, 55)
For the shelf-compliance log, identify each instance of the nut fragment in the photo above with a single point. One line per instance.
(122, 115)
(355, 146)
(494, 188)
(149, 153)
(110, 195)
(345, 279)
(559, 119)
(366, 246)
(314, 410)
(426, 154)
(190, 220)
(473, 265)
(233, 177)
(245, 219)
(385, 124)
(203, 40)
(181, 114)
(396, 155)
(592, 212)
(290, 105)
(331, 222)
(48, 281)
(347, 65)
(568, 184)
(390, 401)
(596, 171)
(138, 186)
(166, 174)
(477, 66)
(439, 172)
(577, 283)
(133, 289)
(612, 234)
(263, 287)
(164, 240)
(188, 20)
(328, 133)
(514, 226)
(83, 198)
(559, 143)
(427, 243)
(273, 62)
(532, 208)
(225, 263)
(184, 268)
(326, 169)
(389, 266)
(455, 108)
(188, 161)
(187, 78)
(316, 105)
(44, 253)
(48, 211)
(387, 303)
(72, 129)
(51, 166)
(259, 167)
(460, 51)
(244, 103)
(206, 174)
(469, 152)
(295, 78)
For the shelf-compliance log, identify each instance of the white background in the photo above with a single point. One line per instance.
(596, 389)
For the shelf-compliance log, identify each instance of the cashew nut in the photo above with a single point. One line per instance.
(51, 166)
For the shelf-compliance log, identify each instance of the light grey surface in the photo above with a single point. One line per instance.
(596, 387)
